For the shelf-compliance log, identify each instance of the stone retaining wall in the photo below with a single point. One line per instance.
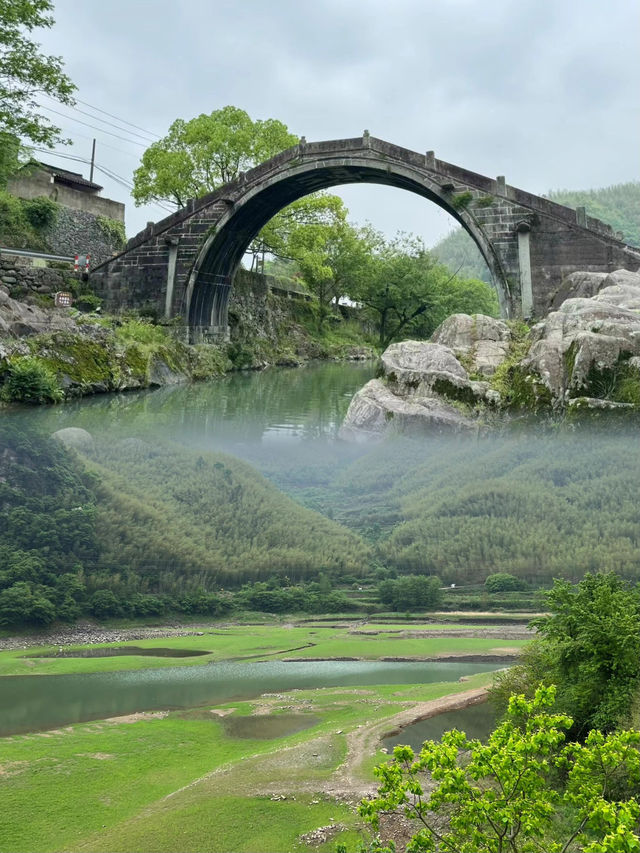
(19, 277)
(79, 232)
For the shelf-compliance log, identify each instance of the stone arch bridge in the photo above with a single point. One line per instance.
(184, 264)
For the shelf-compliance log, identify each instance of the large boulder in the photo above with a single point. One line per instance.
(481, 341)
(416, 366)
(375, 411)
(18, 319)
(587, 337)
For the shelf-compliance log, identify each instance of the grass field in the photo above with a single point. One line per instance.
(259, 642)
(179, 782)
(165, 781)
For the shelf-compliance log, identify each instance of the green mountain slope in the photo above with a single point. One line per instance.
(193, 519)
(618, 206)
(537, 507)
(106, 532)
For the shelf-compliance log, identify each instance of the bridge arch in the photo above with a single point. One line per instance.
(296, 173)
(184, 264)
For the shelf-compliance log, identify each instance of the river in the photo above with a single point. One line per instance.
(31, 703)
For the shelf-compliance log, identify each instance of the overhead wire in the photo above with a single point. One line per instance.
(117, 118)
(111, 124)
(106, 171)
(101, 129)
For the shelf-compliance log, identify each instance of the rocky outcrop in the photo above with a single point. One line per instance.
(78, 354)
(424, 387)
(481, 341)
(18, 319)
(376, 411)
(587, 347)
(583, 357)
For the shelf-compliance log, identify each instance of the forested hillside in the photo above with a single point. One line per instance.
(535, 506)
(618, 206)
(137, 529)
(183, 519)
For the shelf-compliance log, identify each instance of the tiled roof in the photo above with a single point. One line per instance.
(68, 177)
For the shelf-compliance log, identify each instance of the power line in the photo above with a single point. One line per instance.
(101, 129)
(106, 171)
(111, 124)
(117, 118)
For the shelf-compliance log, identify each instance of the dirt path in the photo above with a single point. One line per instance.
(364, 741)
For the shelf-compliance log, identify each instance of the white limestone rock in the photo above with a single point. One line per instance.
(75, 437)
(375, 411)
(484, 340)
(587, 333)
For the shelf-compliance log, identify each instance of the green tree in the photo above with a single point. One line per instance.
(589, 646)
(505, 796)
(199, 155)
(26, 73)
(400, 285)
(593, 637)
(503, 582)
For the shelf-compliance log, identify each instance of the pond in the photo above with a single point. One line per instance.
(39, 702)
(121, 651)
(477, 721)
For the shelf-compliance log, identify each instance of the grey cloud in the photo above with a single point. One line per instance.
(544, 91)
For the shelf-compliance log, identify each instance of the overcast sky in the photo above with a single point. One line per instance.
(546, 92)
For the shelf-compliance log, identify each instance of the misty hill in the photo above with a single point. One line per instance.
(134, 520)
(539, 507)
(182, 519)
(618, 206)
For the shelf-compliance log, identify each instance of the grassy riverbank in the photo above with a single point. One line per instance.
(264, 642)
(179, 781)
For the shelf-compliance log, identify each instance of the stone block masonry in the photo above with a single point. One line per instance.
(179, 266)
(81, 232)
(19, 277)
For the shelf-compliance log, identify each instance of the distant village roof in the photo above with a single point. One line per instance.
(72, 179)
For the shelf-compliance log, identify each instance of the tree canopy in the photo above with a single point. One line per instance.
(26, 73)
(523, 790)
(408, 291)
(589, 645)
(199, 155)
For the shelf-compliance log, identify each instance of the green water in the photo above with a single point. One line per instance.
(234, 413)
(32, 703)
(478, 721)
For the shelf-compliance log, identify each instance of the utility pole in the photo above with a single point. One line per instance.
(93, 159)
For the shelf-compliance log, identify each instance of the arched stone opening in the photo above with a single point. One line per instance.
(210, 280)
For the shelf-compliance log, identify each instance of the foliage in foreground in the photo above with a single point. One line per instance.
(525, 790)
(589, 645)
(25, 73)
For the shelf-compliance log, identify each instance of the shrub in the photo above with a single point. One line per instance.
(104, 603)
(40, 212)
(141, 332)
(29, 380)
(503, 582)
(114, 232)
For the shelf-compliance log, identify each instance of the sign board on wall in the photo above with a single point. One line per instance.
(62, 299)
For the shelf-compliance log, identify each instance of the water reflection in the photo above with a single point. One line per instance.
(478, 721)
(31, 703)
